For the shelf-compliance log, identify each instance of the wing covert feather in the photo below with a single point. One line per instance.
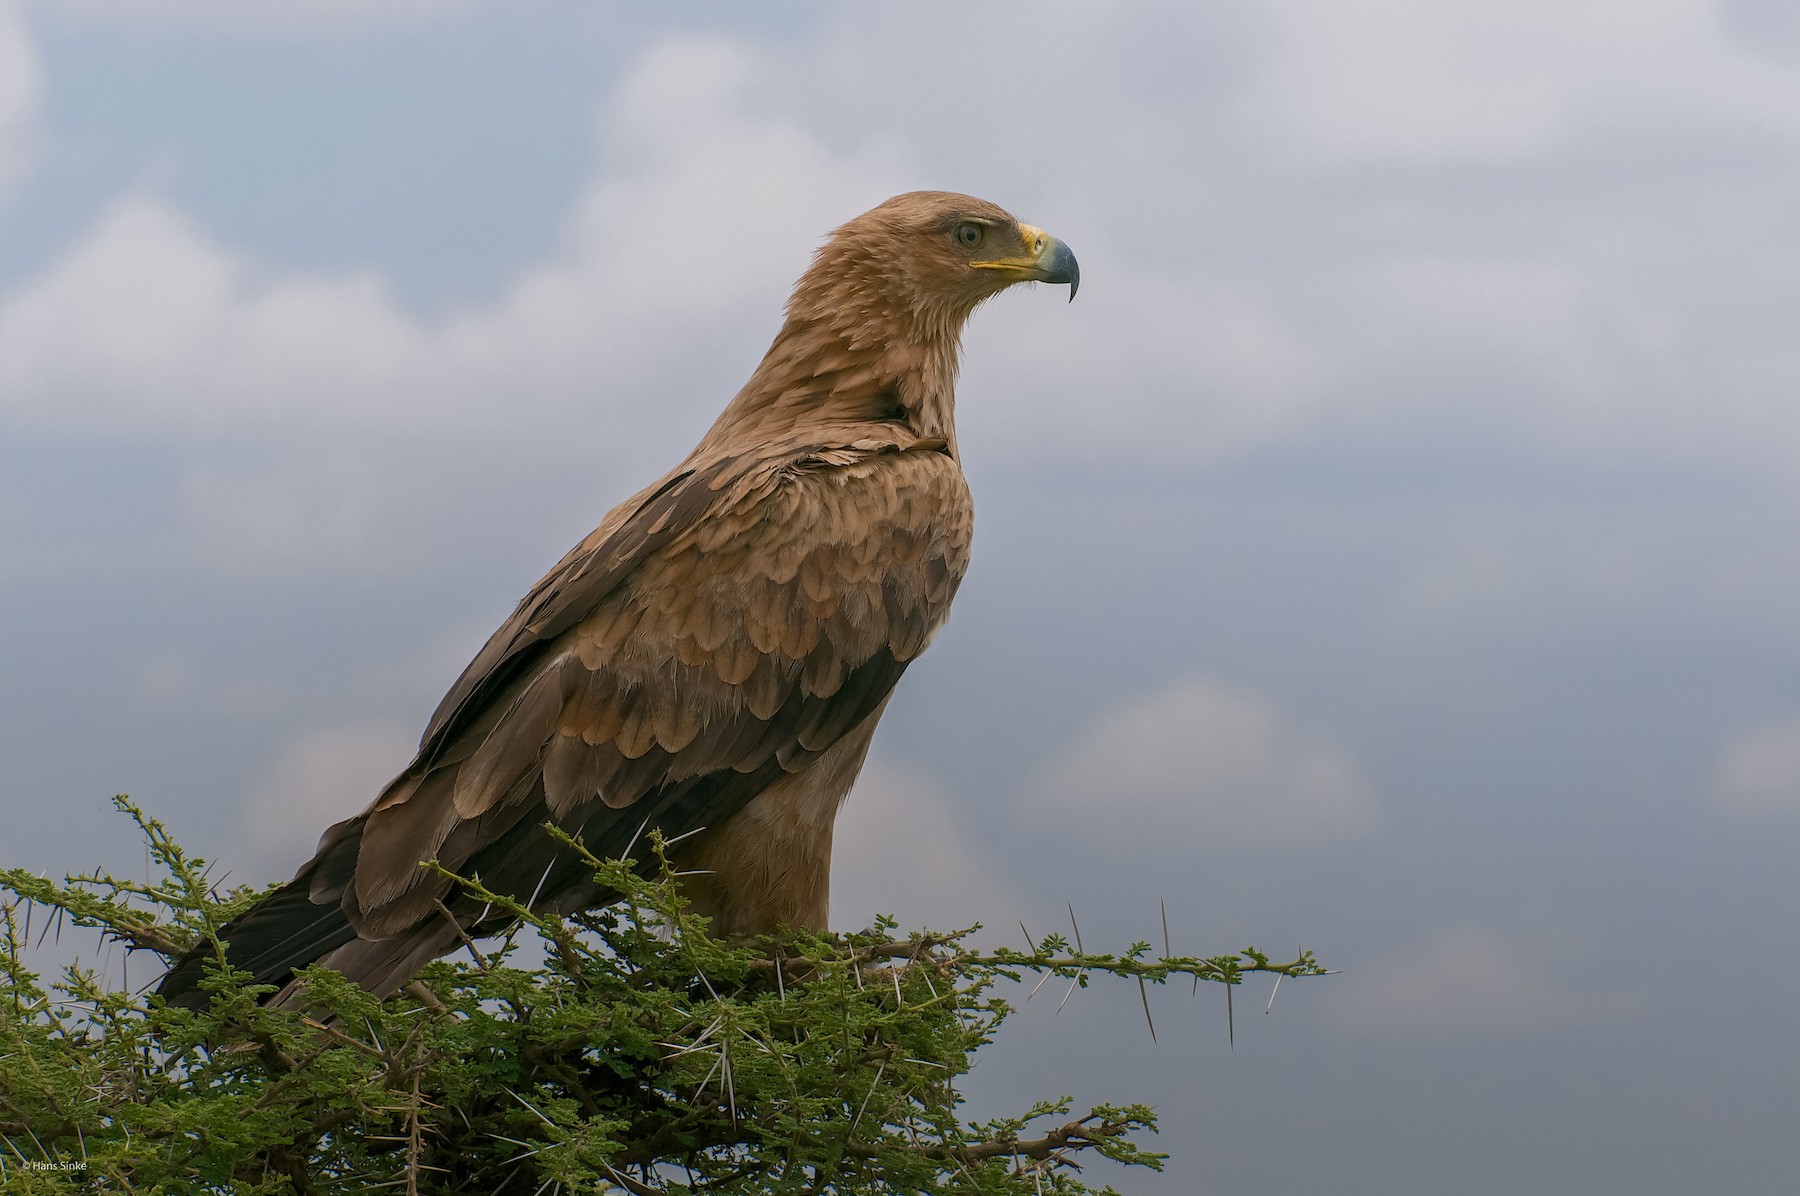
(727, 629)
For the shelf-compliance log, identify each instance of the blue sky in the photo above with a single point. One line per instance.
(1392, 551)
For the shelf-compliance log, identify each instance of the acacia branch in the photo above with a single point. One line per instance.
(1075, 1135)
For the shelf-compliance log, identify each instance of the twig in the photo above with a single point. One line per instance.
(480, 959)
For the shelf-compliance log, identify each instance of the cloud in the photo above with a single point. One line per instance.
(1394, 224)
(20, 89)
(322, 777)
(1758, 770)
(1460, 981)
(150, 327)
(902, 848)
(1574, 345)
(1214, 765)
(1496, 80)
(149, 324)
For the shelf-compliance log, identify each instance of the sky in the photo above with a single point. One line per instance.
(1391, 552)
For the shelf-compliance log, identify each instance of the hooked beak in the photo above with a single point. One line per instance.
(1046, 260)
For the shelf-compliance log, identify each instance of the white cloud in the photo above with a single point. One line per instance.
(324, 776)
(1556, 306)
(20, 88)
(1464, 980)
(1214, 765)
(149, 326)
(719, 165)
(902, 848)
(1501, 79)
(1758, 771)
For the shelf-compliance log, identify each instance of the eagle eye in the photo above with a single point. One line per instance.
(968, 234)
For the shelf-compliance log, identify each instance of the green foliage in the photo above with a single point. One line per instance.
(643, 1056)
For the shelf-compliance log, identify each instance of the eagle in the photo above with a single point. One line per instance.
(712, 660)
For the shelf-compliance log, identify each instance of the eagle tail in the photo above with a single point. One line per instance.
(300, 923)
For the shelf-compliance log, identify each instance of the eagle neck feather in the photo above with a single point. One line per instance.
(850, 353)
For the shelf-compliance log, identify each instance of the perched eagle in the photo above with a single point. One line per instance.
(712, 660)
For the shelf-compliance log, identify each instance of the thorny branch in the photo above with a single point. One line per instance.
(642, 1043)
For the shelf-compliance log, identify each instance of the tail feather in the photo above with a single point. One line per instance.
(290, 928)
(308, 921)
(315, 918)
(381, 965)
(285, 931)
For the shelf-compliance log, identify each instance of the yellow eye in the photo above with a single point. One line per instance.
(968, 234)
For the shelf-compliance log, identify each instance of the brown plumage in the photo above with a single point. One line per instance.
(713, 659)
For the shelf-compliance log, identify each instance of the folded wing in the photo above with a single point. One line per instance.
(716, 633)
